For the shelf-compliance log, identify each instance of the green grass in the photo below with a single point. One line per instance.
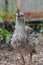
(5, 32)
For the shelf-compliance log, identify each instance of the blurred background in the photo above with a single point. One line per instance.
(8, 18)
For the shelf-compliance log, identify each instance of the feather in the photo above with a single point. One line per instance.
(24, 36)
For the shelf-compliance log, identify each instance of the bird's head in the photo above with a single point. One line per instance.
(20, 16)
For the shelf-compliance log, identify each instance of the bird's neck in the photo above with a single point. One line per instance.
(20, 26)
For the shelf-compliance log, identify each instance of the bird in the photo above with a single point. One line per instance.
(24, 37)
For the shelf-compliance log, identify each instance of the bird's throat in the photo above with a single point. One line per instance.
(20, 26)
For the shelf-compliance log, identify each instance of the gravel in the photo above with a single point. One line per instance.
(9, 56)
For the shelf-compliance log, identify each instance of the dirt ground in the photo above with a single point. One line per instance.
(12, 57)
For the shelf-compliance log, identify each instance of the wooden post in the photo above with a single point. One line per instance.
(18, 4)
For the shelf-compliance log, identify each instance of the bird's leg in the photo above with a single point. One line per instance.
(23, 61)
(30, 58)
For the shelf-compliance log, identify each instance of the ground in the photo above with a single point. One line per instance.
(11, 57)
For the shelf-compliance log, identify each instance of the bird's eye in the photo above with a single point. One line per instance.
(22, 15)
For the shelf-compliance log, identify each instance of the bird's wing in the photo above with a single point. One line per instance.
(28, 29)
(31, 35)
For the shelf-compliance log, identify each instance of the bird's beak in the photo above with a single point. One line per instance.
(17, 15)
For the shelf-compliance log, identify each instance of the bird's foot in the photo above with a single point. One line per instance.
(23, 61)
(30, 58)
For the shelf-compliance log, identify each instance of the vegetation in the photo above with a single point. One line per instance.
(8, 12)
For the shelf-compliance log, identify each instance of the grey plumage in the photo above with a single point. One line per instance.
(23, 36)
